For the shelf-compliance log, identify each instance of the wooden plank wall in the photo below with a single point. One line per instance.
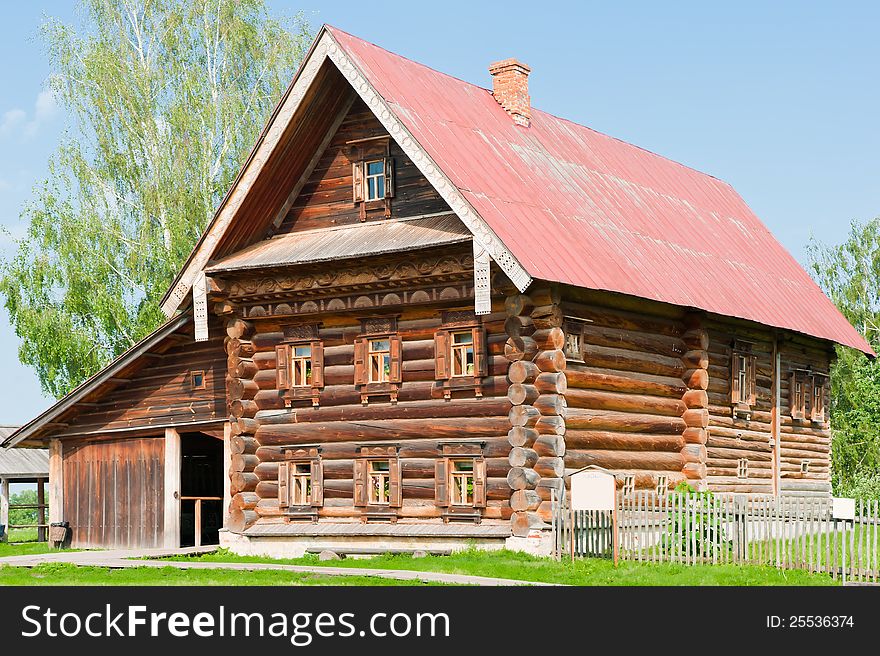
(113, 492)
(418, 423)
(156, 389)
(326, 199)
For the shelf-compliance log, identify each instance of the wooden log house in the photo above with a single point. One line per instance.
(421, 304)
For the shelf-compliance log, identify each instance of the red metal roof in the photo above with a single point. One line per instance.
(579, 207)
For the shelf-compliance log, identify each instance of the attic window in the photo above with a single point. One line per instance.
(373, 180)
(197, 380)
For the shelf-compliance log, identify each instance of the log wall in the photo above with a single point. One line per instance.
(627, 405)
(418, 423)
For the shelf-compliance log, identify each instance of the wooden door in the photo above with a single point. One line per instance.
(113, 492)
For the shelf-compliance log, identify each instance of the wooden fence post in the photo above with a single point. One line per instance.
(4, 508)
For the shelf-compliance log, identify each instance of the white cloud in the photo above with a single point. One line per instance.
(11, 119)
(45, 109)
(17, 121)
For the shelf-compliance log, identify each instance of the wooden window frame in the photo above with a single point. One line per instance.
(743, 379)
(798, 393)
(444, 481)
(364, 152)
(818, 398)
(662, 485)
(628, 488)
(444, 353)
(378, 355)
(362, 478)
(385, 329)
(284, 372)
(574, 328)
(742, 469)
(374, 176)
(310, 457)
(192, 380)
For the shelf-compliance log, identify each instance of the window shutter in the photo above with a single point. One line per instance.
(792, 397)
(735, 391)
(283, 485)
(360, 482)
(395, 484)
(441, 482)
(317, 483)
(360, 361)
(751, 378)
(357, 181)
(389, 177)
(317, 364)
(481, 357)
(396, 346)
(441, 355)
(479, 483)
(282, 366)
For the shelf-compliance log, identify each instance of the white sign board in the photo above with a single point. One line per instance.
(842, 508)
(592, 490)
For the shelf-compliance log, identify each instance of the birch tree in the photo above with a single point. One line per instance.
(163, 101)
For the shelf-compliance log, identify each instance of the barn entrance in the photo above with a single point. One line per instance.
(201, 489)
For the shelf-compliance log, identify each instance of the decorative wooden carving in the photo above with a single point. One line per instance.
(303, 331)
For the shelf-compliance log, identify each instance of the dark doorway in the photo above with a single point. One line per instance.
(201, 488)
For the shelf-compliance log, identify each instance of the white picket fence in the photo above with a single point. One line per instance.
(783, 531)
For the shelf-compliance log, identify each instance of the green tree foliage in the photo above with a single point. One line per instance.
(23, 516)
(850, 274)
(164, 99)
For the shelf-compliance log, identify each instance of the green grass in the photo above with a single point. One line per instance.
(587, 571)
(22, 535)
(67, 574)
(23, 548)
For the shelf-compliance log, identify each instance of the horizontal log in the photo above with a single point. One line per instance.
(550, 445)
(522, 457)
(243, 444)
(523, 371)
(520, 478)
(551, 405)
(243, 408)
(238, 389)
(244, 369)
(694, 471)
(695, 399)
(242, 482)
(696, 379)
(581, 377)
(238, 519)
(522, 394)
(621, 421)
(622, 441)
(550, 467)
(601, 400)
(550, 382)
(696, 418)
(523, 415)
(547, 315)
(553, 360)
(546, 487)
(522, 436)
(695, 435)
(549, 339)
(486, 406)
(624, 460)
(550, 425)
(645, 342)
(696, 359)
(239, 328)
(625, 360)
(694, 453)
(245, 501)
(523, 523)
(521, 500)
(518, 305)
(494, 447)
(388, 429)
(519, 326)
(520, 348)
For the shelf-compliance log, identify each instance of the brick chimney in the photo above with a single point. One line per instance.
(510, 86)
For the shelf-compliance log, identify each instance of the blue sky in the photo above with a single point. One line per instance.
(778, 99)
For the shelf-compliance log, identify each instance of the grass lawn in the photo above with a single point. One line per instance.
(589, 571)
(23, 548)
(66, 574)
